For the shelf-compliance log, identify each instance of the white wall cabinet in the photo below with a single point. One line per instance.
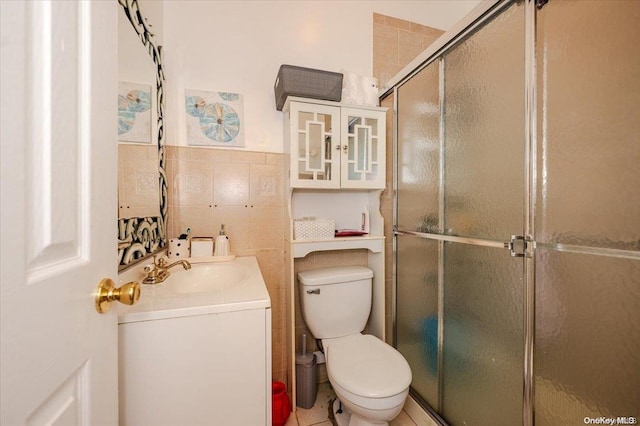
(335, 146)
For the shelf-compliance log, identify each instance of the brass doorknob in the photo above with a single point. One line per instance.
(129, 294)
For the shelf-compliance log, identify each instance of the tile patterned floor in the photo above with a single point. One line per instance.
(318, 415)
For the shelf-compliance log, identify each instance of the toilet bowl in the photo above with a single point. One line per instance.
(371, 379)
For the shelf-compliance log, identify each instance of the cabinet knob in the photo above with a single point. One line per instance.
(337, 147)
(345, 148)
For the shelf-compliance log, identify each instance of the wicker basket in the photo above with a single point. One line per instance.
(316, 229)
(306, 83)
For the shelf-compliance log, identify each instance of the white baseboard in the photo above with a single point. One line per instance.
(417, 414)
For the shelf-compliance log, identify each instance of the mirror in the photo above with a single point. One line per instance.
(142, 185)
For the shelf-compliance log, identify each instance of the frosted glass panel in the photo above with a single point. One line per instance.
(316, 144)
(303, 117)
(362, 144)
(587, 347)
(589, 125)
(373, 123)
(484, 130)
(362, 136)
(419, 151)
(483, 336)
(417, 319)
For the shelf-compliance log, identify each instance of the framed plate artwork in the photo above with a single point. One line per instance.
(134, 112)
(214, 118)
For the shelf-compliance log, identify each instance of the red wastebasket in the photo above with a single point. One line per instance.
(281, 406)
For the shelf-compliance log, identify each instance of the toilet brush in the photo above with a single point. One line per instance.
(304, 344)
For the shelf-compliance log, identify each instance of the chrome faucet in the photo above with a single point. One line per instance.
(160, 270)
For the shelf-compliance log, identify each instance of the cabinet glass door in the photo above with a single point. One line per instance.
(315, 156)
(363, 161)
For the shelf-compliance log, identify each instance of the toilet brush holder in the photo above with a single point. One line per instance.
(306, 377)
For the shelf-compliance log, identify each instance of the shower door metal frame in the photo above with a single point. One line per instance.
(479, 17)
(530, 108)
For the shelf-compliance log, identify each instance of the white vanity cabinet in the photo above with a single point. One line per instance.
(334, 146)
(210, 369)
(196, 349)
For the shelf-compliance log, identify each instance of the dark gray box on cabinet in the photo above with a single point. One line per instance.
(306, 83)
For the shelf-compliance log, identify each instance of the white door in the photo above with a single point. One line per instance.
(59, 356)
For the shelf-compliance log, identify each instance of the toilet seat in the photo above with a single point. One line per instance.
(366, 366)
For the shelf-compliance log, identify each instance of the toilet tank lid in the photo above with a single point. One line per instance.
(338, 274)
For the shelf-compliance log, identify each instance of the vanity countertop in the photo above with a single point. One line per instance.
(206, 288)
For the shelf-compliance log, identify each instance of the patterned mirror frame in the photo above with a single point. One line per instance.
(139, 237)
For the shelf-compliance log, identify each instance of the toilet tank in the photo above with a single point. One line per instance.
(335, 301)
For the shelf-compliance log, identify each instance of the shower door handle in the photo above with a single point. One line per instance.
(520, 246)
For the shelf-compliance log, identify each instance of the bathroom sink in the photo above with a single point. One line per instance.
(207, 277)
(208, 287)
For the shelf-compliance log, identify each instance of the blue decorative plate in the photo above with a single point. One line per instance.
(136, 101)
(220, 122)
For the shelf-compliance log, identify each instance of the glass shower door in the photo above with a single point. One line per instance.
(587, 345)
(461, 196)
(475, 166)
(484, 199)
(417, 259)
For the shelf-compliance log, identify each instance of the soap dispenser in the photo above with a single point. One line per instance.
(222, 243)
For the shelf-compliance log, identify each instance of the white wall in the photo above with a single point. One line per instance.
(441, 14)
(238, 46)
(153, 11)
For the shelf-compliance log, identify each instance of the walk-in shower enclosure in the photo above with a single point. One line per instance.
(517, 217)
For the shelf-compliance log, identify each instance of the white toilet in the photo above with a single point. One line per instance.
(370, 378)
